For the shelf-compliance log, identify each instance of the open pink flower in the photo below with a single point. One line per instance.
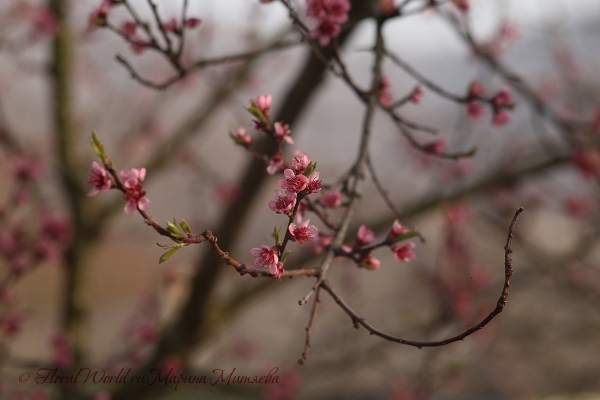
(293, 183)
(299, 162)
(364, 236)
(304, 232)
(332, 199)
(99, 179)
(403, 252)
(277, 271)
(398, 229)
(282, 133)
(314, 183)
(283, 203)
(134, 194)
(265, 257)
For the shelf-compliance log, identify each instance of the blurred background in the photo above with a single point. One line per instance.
(81, 283)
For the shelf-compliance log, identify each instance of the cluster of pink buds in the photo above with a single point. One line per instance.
(330, 15)
(501, 103)
(402, 251)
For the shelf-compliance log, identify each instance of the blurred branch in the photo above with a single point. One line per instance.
(508, 271)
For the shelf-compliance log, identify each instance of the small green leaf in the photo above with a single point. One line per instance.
(310, 169)
(277, 233)
(471, 152)
(256, 112)
(173, 229)
(285, 256)
(405, 236)
(97, 145)
(186, 228)
(168, 254)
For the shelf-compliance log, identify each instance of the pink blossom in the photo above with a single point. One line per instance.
(385, 92)
(134, 194)
(370, 262)
(278, 271)
(403, 252)
(335, 11)
(62, 350)
(283, 203)
(172, 26)
(299, 162)
(462, 5)
(137, 45)
(45, 250)
(148, 333)
(293, 183)
(503, 98)
(314, 183)
(331, 199)
(417, 95)
(99, 179)
(275, 164)
(578, 207)
(192, 22)
(25, 168)
(171, 365)
(227, 192)
(437, 147)
(321, 242)
(103, 395)
(44, 21)
(265, 257)
(398, 229)
(129, 28)
(12, 324)
(501, 118)
(98, 16)
(476, 90)
(241, 137)
(364, 236)
(56, 228)
(387, 7)
(304, 232)
(263, 102)
(326, 31)
(475, 110)
(282, 133)
(588, 162)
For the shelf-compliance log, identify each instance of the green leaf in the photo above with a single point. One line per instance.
(168, 254)
(405, 236)
(310, 169)
(186, 228)
(285, 256)
(173, 229)
(256, 112)
(97, 145)
(471, 152)
(277, 233)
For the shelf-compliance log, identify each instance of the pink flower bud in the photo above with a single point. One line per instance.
(282, 133)
(370, 262)
(364, 236)
(241, 137)
(299, 162)
(192, 22)
(476, 90)
(99, 179)
(398, 229)
(475, 110)
(501, 118)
